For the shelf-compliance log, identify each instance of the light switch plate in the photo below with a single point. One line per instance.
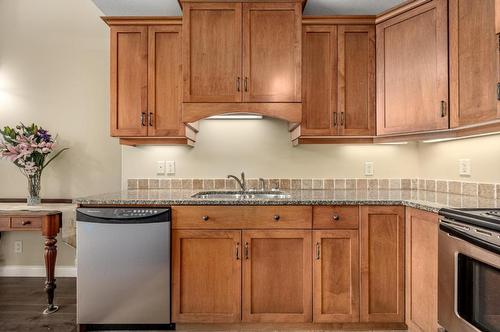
(369, 168)
(160, 167)
(464, 167)
(170, 167)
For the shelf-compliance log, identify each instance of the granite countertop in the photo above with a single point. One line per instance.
(425, 200)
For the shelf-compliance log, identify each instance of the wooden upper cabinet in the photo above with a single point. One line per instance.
(382, 264)
(336, 276)
(206, 272)
(356, 80)
(212, 52)
(412, 70)
(277, 276)
(129, 80)
(473, 62)
(319, 70)
(422, 230)
(497, 16)
(165, 81)
(272, 52)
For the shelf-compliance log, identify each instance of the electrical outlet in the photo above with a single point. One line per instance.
(170, 167)
(464, 167)
(369, 168)
(18, 247)
(160, 167)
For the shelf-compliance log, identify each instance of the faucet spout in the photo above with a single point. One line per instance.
(241, 182)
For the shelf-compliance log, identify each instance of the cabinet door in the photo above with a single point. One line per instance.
(165, 81)
(277, 272)
(382, 264)
(129, 80)
(272, 52)
(206, 276)
(212, 52)
(319, 70)
(336, 276)
(421, 270)
(412, 70)
(356, 80)
(474, 60)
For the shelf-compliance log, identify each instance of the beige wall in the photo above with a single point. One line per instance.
(54, 67)
(440, 160)
(262, 148)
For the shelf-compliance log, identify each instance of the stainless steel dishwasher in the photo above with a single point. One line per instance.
(123, 268)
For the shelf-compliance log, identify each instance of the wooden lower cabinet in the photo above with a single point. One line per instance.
(206, 276)
(277, 276)
(421, 270)
(336, 276)
(382, 264)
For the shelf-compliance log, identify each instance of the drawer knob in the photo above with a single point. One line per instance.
(276, 217)
(335, 217)
(26, 222)
(205, 218)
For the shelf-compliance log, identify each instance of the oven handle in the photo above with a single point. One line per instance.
(466, 237)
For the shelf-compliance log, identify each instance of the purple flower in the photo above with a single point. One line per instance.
(44, 135)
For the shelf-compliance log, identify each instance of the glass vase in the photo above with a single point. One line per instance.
(34, 189)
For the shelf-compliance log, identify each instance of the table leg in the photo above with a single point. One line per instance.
(50, 264)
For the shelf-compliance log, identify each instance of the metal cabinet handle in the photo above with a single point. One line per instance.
(238, 84)
(143, 119)
(245, 84)
(237, 251)
(26, 222)
(498, 91)
(205, 218)
(335, 217)
(246, 250)
(335, 119)
(443, 108)
(341, 119)
(318, 251)
(276, 217)
(150, 119)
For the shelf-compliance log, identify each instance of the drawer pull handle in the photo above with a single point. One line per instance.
(336, 217)
(26, 222)
(205, 218)
(276, 217)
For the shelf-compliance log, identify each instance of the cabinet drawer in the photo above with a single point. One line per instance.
(4, 224)
(241, 217)
(336, 217)
(26, 223)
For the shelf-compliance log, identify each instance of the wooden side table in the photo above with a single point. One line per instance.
(49, 223)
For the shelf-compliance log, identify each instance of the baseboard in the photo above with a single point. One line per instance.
(35, 271)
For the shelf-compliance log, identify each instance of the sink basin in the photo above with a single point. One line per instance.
(275, 194)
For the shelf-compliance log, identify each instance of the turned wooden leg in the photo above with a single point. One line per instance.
(50, 264)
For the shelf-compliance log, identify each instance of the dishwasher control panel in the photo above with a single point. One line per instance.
(132, 213)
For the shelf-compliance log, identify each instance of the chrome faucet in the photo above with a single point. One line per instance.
(262, 184)
(241, 182)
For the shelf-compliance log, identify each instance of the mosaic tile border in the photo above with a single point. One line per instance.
(454, 187)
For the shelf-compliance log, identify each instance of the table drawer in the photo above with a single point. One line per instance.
(336, 217)
(26, 223)
(241, 217)
(4, 224)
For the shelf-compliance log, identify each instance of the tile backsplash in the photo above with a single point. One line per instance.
(473, 189)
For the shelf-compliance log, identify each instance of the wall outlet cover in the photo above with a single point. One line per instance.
(170, 167)
(160, 167)
(369, 168)
(18, 246)
(464, 167)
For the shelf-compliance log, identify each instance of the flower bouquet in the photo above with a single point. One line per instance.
(28, 147)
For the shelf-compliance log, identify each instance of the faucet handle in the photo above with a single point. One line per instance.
(262, 184)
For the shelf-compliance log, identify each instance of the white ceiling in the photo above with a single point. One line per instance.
(171, 7)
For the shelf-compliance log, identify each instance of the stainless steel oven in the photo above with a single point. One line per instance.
(468, 274)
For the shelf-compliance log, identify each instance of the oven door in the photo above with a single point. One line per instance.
(468, 283)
